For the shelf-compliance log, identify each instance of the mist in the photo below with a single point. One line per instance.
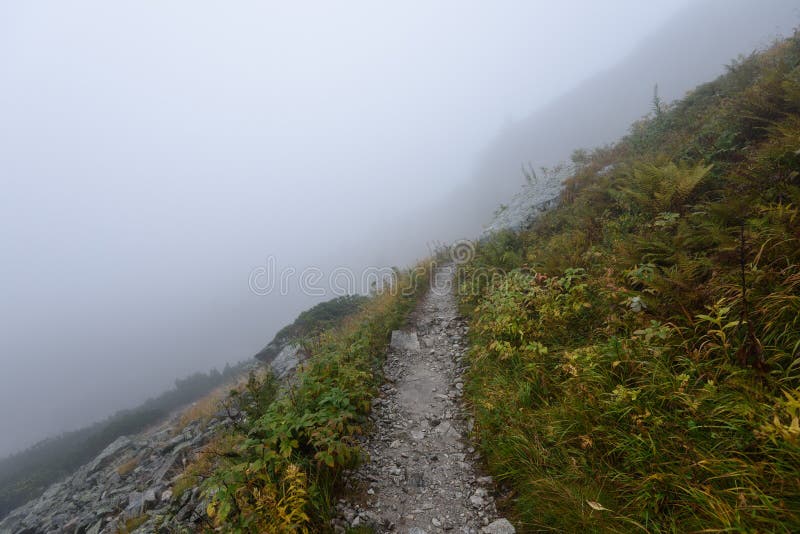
(153, 155)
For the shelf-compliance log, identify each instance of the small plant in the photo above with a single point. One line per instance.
(182, 484)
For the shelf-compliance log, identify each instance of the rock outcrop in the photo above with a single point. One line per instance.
(529, 203)
(287, 359)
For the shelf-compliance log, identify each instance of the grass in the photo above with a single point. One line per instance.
(634, 361)
(202, 465)
(127, 467)
(185, 482)
(209, 405)
(133, 523)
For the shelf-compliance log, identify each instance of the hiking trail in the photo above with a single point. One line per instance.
(422, 473)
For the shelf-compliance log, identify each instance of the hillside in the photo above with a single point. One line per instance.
(634, 353)
(311, 323)
(26, 474)
(625, 358)
(633, 360)
(600, 109)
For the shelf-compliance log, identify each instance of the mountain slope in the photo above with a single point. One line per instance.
(600, 110)
(635, 357)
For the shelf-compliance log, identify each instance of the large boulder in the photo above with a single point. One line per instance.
(529, 203)
(268, 353)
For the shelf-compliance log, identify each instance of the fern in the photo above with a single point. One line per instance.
(657, 189)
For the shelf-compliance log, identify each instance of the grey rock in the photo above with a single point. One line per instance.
(529, 203)
(180, 448)
(404, 340)
(109, 453)
(97, 527)
(135, 505)
(287, 359)
(166, 465)
(500, 526)
(185, 512)
(149, 499)
(200, 509)
(416, 479)
(174, 442)
(477, 501)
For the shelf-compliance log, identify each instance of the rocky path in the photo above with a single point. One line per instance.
(422, 475)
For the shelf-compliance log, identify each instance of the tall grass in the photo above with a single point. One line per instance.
(635, 361)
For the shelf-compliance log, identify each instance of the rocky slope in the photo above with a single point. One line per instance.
(132, 479)
(131, 485)
(423, 474)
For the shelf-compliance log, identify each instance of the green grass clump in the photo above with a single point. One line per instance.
(635, 360)
(184, 483)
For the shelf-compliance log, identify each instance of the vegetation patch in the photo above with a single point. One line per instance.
(133, 523)
(127, 467)
(634, 361)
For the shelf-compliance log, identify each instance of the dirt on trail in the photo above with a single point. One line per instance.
(422, 475)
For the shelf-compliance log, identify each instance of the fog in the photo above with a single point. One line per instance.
(153, 154)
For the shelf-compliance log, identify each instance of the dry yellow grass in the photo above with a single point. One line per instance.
(204, 409)
(127, 467)
(203, 463)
